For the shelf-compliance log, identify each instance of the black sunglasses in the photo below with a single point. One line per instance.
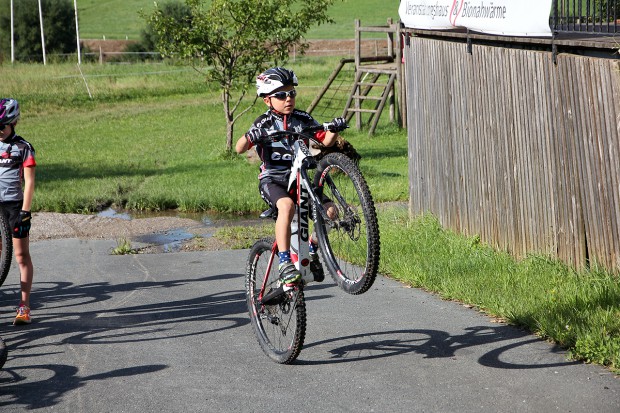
(283, 95)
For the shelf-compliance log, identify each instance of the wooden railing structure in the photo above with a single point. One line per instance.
(376, 81)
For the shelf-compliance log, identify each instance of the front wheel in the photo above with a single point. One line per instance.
(6, 247)
(281, 327)
(349, 236)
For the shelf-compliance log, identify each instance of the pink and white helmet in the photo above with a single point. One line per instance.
(9, 111)
(273, 79)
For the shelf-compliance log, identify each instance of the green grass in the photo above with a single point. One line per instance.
(578, 310)
(152, 139)
(120, 19)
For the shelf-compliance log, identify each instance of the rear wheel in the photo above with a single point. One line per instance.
(280, 328)
(6, 247)
(349, 237)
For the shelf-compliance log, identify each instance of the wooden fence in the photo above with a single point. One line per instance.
(524, 152)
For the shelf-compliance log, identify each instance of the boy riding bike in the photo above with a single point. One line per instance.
(277, 88)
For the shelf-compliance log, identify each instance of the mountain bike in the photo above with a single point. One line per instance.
(337, 199)
(6, 247)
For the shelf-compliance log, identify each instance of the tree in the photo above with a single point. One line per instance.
(231, 41)
(59, 26)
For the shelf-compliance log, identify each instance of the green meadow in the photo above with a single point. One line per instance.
(152, 137)
(118, 19)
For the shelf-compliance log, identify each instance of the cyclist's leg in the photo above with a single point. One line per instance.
(286, 210)
(275, 194)
(21, 249)
(315, 263)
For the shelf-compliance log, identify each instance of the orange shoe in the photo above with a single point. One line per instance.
(23, 316)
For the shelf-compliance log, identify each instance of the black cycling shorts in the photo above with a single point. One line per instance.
(272, 190)
(11, 211)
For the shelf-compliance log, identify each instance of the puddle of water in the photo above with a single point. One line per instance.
(111, 213)
(172, 240)
(206, 218)
(169, 241)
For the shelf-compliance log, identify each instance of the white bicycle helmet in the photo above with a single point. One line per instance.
(9, 111)
(273, 79)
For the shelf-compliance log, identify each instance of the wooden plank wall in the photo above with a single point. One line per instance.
(525, 153)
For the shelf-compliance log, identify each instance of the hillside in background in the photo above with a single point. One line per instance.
(120, 19)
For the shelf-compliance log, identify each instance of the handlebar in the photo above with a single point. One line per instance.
(306, 133)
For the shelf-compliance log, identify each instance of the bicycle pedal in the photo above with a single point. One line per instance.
(275, 296)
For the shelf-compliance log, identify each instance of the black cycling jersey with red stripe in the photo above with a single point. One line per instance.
(277, 157)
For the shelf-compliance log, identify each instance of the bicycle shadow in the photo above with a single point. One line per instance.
(87, 315)
(432, 344)
(51, 388)
(125, 323)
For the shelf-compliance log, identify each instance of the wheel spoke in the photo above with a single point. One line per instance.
(280, 328)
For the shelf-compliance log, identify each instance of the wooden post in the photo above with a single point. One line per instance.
(400, 81)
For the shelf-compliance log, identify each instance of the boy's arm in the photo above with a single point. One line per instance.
(243, 144)
(330, 138)
(28, 188)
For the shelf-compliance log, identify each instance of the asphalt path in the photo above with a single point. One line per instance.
(170, 332)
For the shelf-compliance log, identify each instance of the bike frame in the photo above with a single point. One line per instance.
(300, 253)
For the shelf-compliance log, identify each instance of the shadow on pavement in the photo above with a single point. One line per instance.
(431, 344)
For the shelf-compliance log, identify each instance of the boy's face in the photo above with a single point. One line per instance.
(5, 131)
(285, 105)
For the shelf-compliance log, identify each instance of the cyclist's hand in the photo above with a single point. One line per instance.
(336, 125)
(21, 225)
(257, 136)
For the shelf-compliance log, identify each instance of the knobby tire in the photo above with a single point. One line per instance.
(6, 248)
(349, 243)
(281, 328)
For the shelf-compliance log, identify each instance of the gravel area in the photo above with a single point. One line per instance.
(146, 235)
(52, 225)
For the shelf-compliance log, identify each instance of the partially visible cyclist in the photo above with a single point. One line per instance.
(17, 163)
(277, 88)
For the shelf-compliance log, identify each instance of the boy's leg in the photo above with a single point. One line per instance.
(286, 210)
(315, 264)
(275, 194)
(21, 247)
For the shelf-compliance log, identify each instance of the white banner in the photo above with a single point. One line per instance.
(502, 17)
